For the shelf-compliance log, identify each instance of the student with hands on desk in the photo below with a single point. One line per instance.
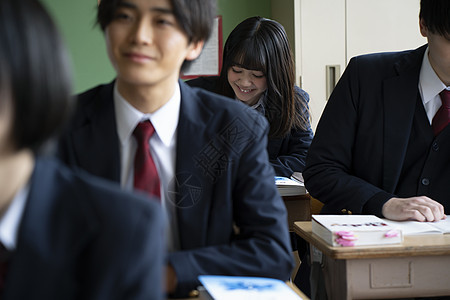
(258, 70)
(217, 188)
(375, 150)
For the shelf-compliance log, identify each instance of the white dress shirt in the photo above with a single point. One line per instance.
(162, 147)
(430, 86)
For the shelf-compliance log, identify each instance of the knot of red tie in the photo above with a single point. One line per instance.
(144, 131)
(442, 116)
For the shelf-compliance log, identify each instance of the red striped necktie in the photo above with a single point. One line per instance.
(442, 116)
(145, 173)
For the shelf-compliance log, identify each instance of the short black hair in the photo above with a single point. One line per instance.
(436, 15)
(194, 16)
(34, 71)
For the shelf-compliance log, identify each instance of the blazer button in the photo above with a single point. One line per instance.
(344, 211)
(194, 294)
(435, 146)
(350, 212)
(425, 181)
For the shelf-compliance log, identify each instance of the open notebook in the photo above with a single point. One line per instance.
(416, 228)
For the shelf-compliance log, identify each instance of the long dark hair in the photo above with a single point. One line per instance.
(35, 73)
(262, 44)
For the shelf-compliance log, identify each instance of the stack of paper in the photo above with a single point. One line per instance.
(289, 187)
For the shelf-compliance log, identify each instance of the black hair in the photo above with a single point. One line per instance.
(34, 71)
(262, 44)
(436, 16)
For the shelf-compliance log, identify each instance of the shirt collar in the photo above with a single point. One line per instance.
(9, 223)
(259, 106)
(259, 103)
(164, 120)
(429, 83)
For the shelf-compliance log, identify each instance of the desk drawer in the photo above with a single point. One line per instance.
(398, 277)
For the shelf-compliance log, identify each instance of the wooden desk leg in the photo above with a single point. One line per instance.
(329, 275)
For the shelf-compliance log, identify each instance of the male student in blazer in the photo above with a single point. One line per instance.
(375, 151)
(64, 234)
(217, 186)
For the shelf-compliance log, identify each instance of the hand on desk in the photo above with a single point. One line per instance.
(419, 208)
(171, 279)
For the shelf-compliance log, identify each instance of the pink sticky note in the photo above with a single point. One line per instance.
(392, 233)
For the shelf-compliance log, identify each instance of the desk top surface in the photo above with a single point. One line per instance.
(418, 245)
(289, 284)
(297, 290)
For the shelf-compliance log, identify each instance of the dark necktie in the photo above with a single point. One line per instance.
(4, 258)
(145, 174)
(442, 116)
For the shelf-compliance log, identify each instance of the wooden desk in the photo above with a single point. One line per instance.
(419, 267)
(298, 209)
(297, 290)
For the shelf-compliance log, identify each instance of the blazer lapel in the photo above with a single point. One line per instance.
(192, 193)
(47, 243)
(96, 142)
(400, 96)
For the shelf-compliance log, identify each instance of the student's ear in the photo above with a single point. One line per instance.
(194, 50)
(423, 28)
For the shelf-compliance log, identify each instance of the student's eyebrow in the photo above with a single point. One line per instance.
(245, 67)
(238, 65)
(125, 4)
(163, 10)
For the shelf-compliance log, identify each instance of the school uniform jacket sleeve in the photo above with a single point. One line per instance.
(238, 223)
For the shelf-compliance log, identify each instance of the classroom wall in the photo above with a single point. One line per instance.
(76, 20)
(235, 11)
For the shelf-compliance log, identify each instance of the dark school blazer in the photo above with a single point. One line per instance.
(356, 158)
(81, 237)
(223, 181)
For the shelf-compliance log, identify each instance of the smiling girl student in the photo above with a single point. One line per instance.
(258, 69)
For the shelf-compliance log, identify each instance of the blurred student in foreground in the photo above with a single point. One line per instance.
(258, 70)
(64, 235)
